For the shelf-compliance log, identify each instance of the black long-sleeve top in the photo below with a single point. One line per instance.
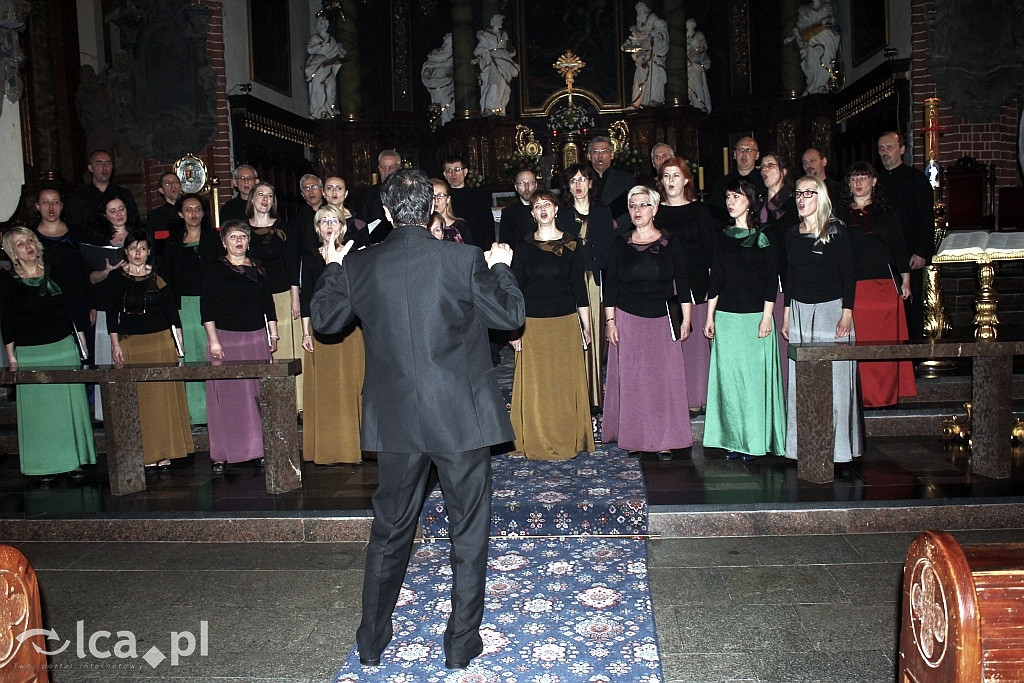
(641, 278)
(551, 275)
(910, 194)
(600, 233)
(694, 226)
(819, 272)
(140, 305)
(185, 265)
(63, 257)
(779, 217)
(313, 265)
(743, 277)
(33, 314)
(516, 223)
(279, 258)
(236, 298)
(876, 240)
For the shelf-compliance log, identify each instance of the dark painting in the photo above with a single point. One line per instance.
(591, 29)
(270, 56)
(868, 19)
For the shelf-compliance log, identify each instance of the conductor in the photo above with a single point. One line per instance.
(430, 395)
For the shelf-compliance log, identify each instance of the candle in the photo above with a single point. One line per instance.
(725, 161)
(700, 178)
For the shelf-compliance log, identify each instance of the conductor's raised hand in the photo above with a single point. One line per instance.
(498, 253)
(336, 255)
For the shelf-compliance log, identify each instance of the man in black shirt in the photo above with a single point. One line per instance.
(87, 202)
(163, 221)
(611, 184)
(472, 204)
(746, 153)
(300, 226)
(244, 179)
(388, 162)
(815, 163)
(911, 196)
(516, 219)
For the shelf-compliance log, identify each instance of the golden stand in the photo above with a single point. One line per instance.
(985, 302)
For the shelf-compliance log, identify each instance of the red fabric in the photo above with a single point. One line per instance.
(878, 316)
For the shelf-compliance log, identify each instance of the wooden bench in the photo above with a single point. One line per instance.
(963, 612)
(991, 388)
(282, 464)
(21, 656)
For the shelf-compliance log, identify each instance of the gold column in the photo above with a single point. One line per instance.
(936, 321)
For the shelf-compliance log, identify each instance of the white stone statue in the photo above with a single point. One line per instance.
(438, 75)
(494, 56)
(697, 65)
(648, 43)
(325, 55)
(817, 35)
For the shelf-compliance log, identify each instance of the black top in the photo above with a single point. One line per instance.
(693, 225)
(641, 278)
(163, 222)
(516, 223)
(743, 274)
(780, 215)
(236, 298)
(140, 305)
(277, 254)
(716, 198)
(233, 208)
(33, 313)
(551, 275)
(185, 265)
(876, 241)
(300, 225)
(910, 194)
(63, 257)
(373, 210)
(86, 204)
(820, 272)
(600, 233)
(313, 265)
(473, 205)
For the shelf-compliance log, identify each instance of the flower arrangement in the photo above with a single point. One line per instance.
(569, 119)
(628, 159)
(518, 161)
(474, 179)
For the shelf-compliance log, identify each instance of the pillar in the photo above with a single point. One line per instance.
(791, 72)
(467, 92)
(350, 89)
(676, 63)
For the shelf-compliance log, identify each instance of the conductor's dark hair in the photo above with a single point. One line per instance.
(409, 196)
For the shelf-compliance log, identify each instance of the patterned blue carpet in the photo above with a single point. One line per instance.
(568, 595)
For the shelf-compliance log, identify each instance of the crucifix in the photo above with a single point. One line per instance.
(568, 66)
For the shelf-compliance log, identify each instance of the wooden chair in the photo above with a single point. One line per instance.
(962, 615)
(20, 612)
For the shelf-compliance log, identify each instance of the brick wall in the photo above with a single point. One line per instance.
(990, 142)
(217, 156)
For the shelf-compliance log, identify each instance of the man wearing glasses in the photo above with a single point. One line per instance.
(472, 204)
(388, 162)
(301, 223)
(243, 180)
(163, 221)
(611, 184)
(516, 219)
(746, 153)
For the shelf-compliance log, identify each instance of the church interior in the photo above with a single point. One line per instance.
(290, 90)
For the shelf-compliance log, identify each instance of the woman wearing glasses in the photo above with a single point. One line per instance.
(645, 407)
(820, 291)
(746, 413)
(583, 216)
(334, 362)
(550, 409)
(453, 228)
(881, 265)
(144, 327)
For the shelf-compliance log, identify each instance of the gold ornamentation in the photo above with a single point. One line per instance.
(985, 303)
(956, 427)
(928, 618)
(619, 134)
(191, 172)
(568, 67)
(13, 614)
(861, 104)
(526, 143)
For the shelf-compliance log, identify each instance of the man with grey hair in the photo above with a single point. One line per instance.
(301, 222)
(611, 184)
(243, 180)
(659, 153)
(388, 162)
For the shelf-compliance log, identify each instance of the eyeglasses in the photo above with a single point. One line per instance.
(578, 180)
(459, 169)
(640, 205)
(440, 195)
(745, 150)
(310, 188)
(599, 152)
(527, 183)
(859, 178)
(769, 164)
(329, 221)
(246, 177)
(805, 194)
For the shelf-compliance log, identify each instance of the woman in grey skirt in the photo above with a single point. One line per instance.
(820, 287)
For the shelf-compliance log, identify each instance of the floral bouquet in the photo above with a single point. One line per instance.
(518, 161)
(569, 119)
(628, 159)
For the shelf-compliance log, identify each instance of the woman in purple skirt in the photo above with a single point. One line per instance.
(645, 395)
(237, 311)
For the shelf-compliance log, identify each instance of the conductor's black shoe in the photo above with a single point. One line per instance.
(449, 664)
(366, 661)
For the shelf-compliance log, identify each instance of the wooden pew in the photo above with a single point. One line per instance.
(21, 661)
(992, 392)
(282, 464)
(963, 612)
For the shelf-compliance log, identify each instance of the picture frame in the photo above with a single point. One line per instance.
(869, 22)
(270, 45)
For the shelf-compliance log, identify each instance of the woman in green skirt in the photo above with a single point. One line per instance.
(746, 405)
(38, 326)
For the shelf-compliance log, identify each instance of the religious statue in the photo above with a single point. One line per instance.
(697, 65)
(322, 65)
(648, 43)
(817, 35)
(494, 56)
(438, 76)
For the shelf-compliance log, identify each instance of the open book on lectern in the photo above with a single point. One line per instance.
(974, 245)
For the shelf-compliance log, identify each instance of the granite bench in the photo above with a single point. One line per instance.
(991, 390)
(282, 464)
